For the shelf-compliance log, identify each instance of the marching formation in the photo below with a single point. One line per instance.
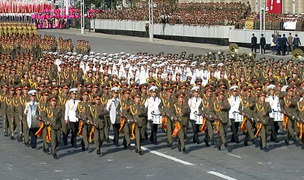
(51, 95)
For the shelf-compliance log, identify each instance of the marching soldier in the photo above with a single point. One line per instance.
(98, 112)
(42, 107)
(208, 112)
(248, 110)
(53, 117)
(113, 106)
(126, 102)
(181, 117)
(290, 107)
(138, 113)
(154, 104)
(262, 119)
(83, 114)
(221, 108)
(70, 115)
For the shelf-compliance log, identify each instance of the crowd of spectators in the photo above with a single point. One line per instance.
(204, 14)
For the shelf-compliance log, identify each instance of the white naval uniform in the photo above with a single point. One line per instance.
(70, 110)
(194, 104)
(114, 103)
(274, 103)
(153, 106)
(234, 112)
(30, 110)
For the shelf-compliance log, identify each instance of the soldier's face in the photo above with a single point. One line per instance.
(53, 103)
(33, 98)
(153, 94)
(136, 99)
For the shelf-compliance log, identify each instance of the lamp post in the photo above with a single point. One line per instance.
(151, 20)
(82, 17)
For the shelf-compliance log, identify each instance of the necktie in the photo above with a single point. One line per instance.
(234, 98)
(74, 102)
(273, 97)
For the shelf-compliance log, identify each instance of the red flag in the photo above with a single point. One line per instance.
(274, 6)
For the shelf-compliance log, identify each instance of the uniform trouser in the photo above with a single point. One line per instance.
(291, 127)
(195, 128)
(249, 128)
(126, 129)
(107, 128)
(74, 130)
(169, 131)
(234, 129)
(55, 139)
(138, 133)
(153, 136)
(65, 131)
(85, 135)
(273, 129)
(144, 129)
(44, 134)
(19, 126)
(98, 138)
(33, 137)
(181, 136)
(116, 133)
(12, 126)
(25, 131)
(4, 123)
(209, 130)
(222, 138)
(263, 135)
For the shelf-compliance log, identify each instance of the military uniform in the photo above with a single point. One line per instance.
(98, 112)
(53, 117)
(138, 113)
(221, 108)
(262, 111)
(181, 117)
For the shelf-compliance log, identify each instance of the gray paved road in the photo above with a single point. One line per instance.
(158, 162)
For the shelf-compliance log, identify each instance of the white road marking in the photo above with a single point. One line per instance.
(163, 155)
(234, 155)
(167, 156)
(9, 168)
(220, 175)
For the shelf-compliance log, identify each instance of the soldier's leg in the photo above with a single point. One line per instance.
(11, 127)
(85, 135)
(138, 132)
(222, 134)
(250, 131)
(107, 129)
(101, 137)
(65, 132)
(126, 131)
(290, 131)
(45, 144)
(281, 126)
(234, 129)
(19, 127)
(181, 137)
(53, 141)
(96, 139)
(152, 132)
(5, 125)
(144, 133)
(116, 134)
(263, 135)
(154, 128)
(169, 132)
(58, 134)
(195, 134)
(210, 130)
(25, 132)
(273, 135)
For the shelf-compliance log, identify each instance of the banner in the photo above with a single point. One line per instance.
(274, 6)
